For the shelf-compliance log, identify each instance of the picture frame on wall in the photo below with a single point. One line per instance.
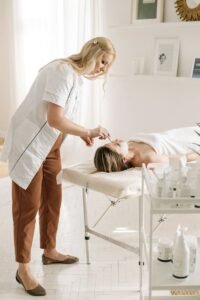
(196, 68)
(147, 10)
(166, 57)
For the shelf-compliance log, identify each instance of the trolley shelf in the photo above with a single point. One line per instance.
(161, 281)
(162, 278)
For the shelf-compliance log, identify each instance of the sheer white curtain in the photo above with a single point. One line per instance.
(7, 69)
(32, 33)
(84, 19)
(38, 36)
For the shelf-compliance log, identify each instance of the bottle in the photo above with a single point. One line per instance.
(159, 187)
(193, 178)
(184, 189)
(192, 244)
(176, 174)
(181, 257)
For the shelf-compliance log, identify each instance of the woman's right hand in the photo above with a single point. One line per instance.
(100, 132)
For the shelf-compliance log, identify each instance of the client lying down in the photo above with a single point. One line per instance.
(147, 148)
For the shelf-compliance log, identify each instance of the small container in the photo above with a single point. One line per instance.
(165, 249)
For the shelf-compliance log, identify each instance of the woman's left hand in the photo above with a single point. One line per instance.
(100, 132)
(88, 141)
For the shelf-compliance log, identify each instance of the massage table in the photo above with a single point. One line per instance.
(116, 186)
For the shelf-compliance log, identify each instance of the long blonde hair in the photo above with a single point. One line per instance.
(91, 51)
(107, 160)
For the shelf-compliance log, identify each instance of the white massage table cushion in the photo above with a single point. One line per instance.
(117, 184)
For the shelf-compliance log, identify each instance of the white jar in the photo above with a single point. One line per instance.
(165, 249)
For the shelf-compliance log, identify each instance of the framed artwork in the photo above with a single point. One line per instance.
(147, 10)
(166, 57)
(196, 68)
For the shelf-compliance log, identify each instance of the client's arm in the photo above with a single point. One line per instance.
(191, 156)
(155, 158)
(146, 158)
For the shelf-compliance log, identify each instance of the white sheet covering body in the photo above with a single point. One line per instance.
(171, 142)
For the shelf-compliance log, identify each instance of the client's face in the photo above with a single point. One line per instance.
(119, 146)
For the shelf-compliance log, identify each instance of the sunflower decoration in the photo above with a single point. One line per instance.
(186, 12)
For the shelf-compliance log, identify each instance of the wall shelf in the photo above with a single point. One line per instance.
(139, 41)
(150, 77)
(149, 25)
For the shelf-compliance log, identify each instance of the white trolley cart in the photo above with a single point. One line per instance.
(160, 277)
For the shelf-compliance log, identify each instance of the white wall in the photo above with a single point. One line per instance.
(148, 104)
(145, 102)
(139, 41)
(118, 12)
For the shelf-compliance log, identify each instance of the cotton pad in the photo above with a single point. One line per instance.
(124, 148)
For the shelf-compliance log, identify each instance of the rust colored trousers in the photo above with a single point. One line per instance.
(43, 195)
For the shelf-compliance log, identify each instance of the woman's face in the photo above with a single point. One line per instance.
(102, 64)
(119, 146)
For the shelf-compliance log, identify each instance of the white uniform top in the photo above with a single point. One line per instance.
(30, 138)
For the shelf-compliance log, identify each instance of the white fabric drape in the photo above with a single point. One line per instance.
(34, 32)
(84, 19)
(7, 69)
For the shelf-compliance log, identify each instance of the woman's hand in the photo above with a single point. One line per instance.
(100, 132)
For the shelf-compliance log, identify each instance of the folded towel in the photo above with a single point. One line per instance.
(171, 142)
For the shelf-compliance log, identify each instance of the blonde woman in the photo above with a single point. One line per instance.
(32, 150)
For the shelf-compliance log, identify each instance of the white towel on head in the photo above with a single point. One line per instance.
(171, 142)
